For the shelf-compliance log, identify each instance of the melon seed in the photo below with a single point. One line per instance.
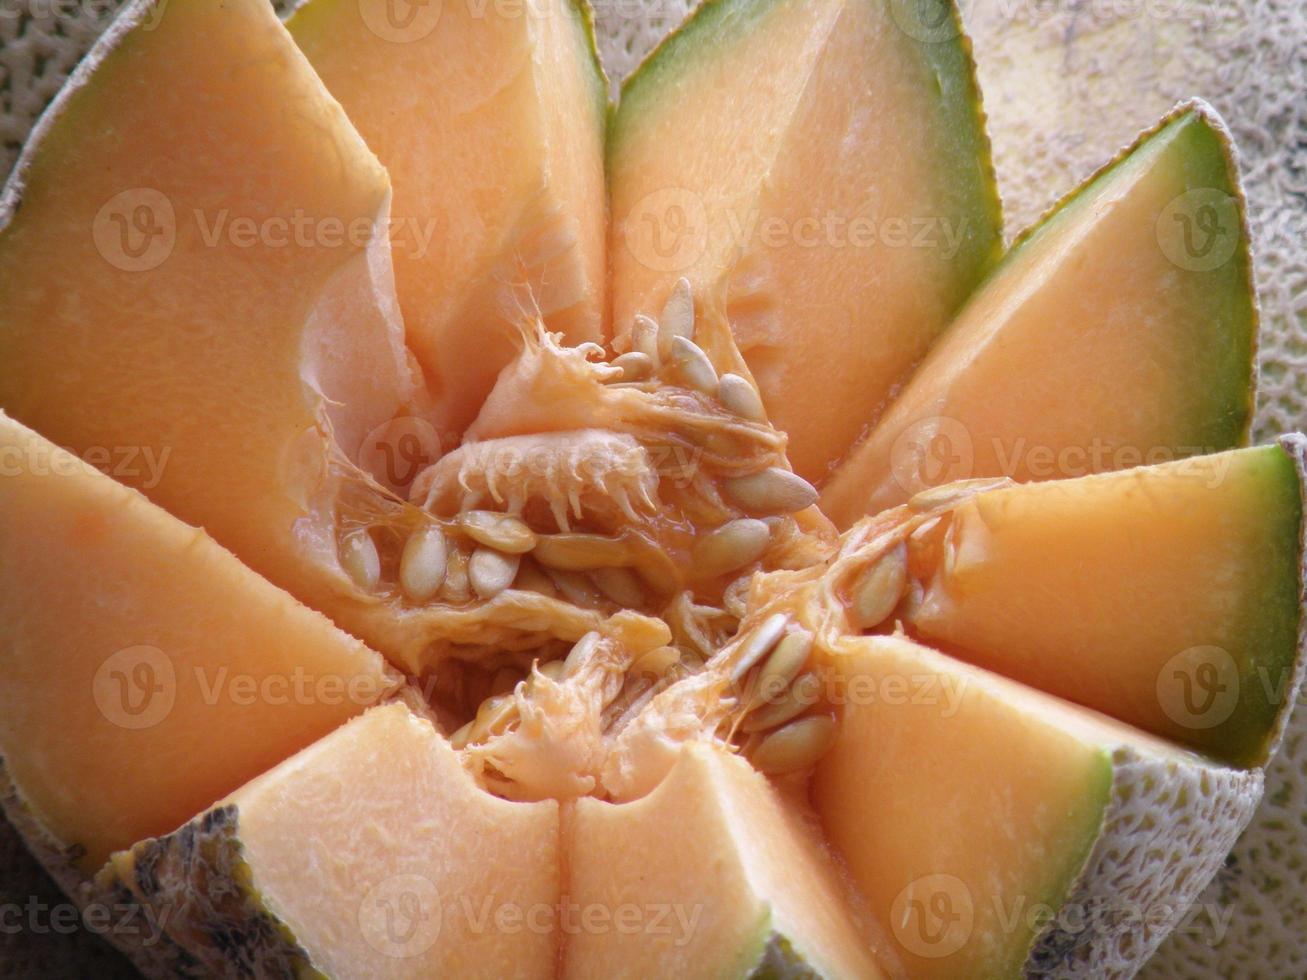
(952, 493)
(771, 491)
(553, 669)
(644, 338)
(785, 662)
(634, 365)
(423, 563)
(796, 746)
(657, 662)
(530, 578)
(492, 718)
(621, 585)
(490, 572)
(503, 532)
(758, 644)
(733, 545)
(579, 552)
(576, 588)
(881, 587)
(359, 558)
(693, 366)
(456, 587)
(678, 317)
(460, 738)
(737, 395)
(801, 696)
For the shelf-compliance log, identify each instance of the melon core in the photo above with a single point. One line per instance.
(823, 171)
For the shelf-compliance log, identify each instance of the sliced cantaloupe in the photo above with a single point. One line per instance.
(369, 854)
(738, 886)
(1166, 596)
(490, 120)
(193, 295)
(998, 831)
(1119, 331)
(827, 170)
(143, 670)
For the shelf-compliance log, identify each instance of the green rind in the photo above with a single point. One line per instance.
(1048, 946)
(1214, 165)
(1270, 624)
(585, 17)
(781, 961)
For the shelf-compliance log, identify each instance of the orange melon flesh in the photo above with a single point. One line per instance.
(827, 172)
(1099, 343)
(1165, 596)
(223, 378)
(727, 865)
(967, 806)
(374, 854)
(144, 671)
(490, 121)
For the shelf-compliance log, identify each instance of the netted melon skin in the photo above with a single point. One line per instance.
(223, 925)
(1163, 813)
(1248, 922)
(159, 956)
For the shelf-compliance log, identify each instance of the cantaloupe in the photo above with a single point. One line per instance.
(1056, 847)
(1128, 316)
(1166, 596)
(490, 120)
(144, 671)
(742, 887)
(635, 639)
(828, 172)
(1060, 88)
(369, 854)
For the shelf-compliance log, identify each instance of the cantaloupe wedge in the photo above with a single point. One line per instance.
(825, 166)
(490, 120)
(195, 299)
(1001, 832)
(1119, 331)
(740, 888)
(369, 854)
(144, 671)
(1165, 596)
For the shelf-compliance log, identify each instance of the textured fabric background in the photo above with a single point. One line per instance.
(1066, 82)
